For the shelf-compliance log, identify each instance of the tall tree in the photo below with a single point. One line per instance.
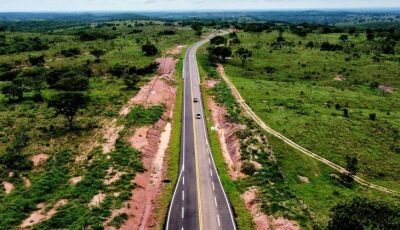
(67, 104)
(244, 54)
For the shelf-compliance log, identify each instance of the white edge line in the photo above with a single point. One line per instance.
(212, 157)
(183, 141)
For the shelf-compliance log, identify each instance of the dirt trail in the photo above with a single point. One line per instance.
(152, 141)
(307, 152)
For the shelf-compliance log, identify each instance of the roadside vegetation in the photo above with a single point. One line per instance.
(325, 90)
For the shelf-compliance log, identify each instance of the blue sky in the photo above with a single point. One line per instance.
(154, 5)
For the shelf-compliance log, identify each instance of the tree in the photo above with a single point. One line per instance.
(244, 54)
(72, 83)
(219, 53)
(372, 116)
(36, 60)
(344, 38)
(370, 35)
(362, 213)
(97, 53)
(310, 45)
(131, 81)
(218, 40)
(68, 104)
(149, 49)
(198, 28)
(13, 92)
(13, 159)
(352, 165)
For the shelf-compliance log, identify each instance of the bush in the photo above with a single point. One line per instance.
(362, 213)
(248, 168)
(70, 52)
(140, 116)
(372, 116)
(149, 49)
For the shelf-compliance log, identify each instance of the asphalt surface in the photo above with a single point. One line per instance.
(199, 201)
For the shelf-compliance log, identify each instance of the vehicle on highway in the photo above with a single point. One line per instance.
(198, 116)
(195, 100)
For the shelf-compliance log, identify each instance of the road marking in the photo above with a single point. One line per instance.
(212, 183)
(196, 156)
(219, 222)
(209, 149)
(183, 180)
(211, 173)
(183, 212)
(209, 161)
(215, 201)
(183, 134)
(183, 194)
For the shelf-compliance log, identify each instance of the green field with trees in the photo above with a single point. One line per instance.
(57, 88)
(329, 89)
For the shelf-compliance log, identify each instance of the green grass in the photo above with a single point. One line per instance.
(140, 116)
(308, 203)
(299, 100)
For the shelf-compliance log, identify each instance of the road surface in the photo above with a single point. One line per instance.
(199, 201)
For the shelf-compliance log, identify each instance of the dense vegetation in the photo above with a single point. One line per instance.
(57, 88)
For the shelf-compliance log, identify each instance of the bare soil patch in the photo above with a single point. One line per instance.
(75, 180)
(8, 187)
(97, 200)
(152, 141)
(112, 176)
(139, 139)
(304, 179)
(386, 88)
(27, 182)
(39, 159)
(175, 50)
(339, 78)
(263, 221)
(229, 142)
(41, 214)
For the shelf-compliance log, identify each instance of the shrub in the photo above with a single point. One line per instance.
(248, 168)
(362, 213)
(372, 116)
(140, 116)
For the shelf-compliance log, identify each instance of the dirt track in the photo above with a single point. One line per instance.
(307, 152)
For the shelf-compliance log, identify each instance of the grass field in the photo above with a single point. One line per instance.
(299, 99)
(302, 100)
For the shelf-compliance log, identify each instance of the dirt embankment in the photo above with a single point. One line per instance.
(264, 222)
(152, 141)
(226, 132)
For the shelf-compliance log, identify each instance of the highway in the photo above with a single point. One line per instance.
(199, 201)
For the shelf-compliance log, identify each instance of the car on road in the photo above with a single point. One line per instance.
(195, 100)
(198, 116)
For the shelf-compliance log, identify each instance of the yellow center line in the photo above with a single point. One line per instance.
(195, 153)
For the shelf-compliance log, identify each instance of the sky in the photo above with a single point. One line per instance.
(162, 5)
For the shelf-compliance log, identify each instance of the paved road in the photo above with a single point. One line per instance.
(199, 201)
